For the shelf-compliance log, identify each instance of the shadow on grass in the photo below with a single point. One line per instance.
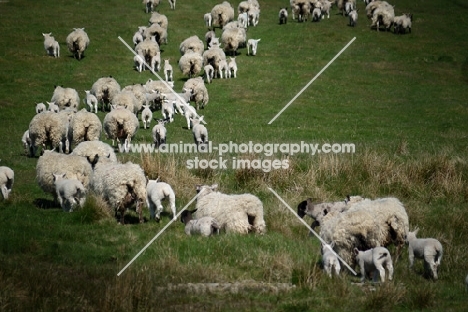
(44, 203)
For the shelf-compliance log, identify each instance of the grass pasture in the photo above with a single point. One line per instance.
(401, 99)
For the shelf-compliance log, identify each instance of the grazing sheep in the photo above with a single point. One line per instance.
(85, 126)
(156, 192)
(172, 3)
(70, 192)
(353, 17)
(301, 8)
(221, 14)
(402, 22)
(372, 263)
(159, 133)
(345, 6)
(51, 45)
(429, 249)
(77, 42)
(349, 6)
(121, 186)
(146, 116)
(191, 64)
(139, 92)
(156, 33)
(26, 140)
(179, 99)
(209, 37)
(380, 12)
(105, 89)
(209, 73)
(40, 107)
(205, 226)
(168, 71)
(65, 98)
(7, 178)
(283, 16)
(232, 68)
(366, 224)
(330, 261)
(89, 149)
(235, 213)
(252, 45)
(159, 19)
(233, 39)
(48, 129)
(192, 44)
(121, 124)
(150, 5)
(200, 134)
(199, 92)
(91, 101)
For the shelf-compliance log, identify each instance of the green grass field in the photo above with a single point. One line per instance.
(400, 99)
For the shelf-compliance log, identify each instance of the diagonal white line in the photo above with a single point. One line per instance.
(162, 80)
(316, 235)
(159, 233)
(313, 79)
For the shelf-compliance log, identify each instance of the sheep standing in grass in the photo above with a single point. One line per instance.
(105, 89)
(213, 56)
(372, 262)
(223, 68)
(208, 20)
(128, 100)
(191, 64)
(254, 16)
(232, 68)
(121, 124)
(149, 51)
(160, 19)
(65, 98)
(221, 14)
(428, 249)
(156, 33)
(156, 192)
(48, 129)
(330, 261)
(85, 126)
(51, 45)
(325, 7)
(40, 107)
(7, 178)
(138, 36)
(89, 149)
(235, 213)
(316, 14)
(168, 71)
(402, 22)
(159, 133)
(353, 17)
(205, 226)
(91, 101)
(77, 42)
(380, 12)
(70, 192)
(199, 92)
(26, 140)
(139, 92)
(283, 16)
(209, 73)
(192, 44)
(232, 39)
(146, 116)
(200, 133)
(150, 5)
(301, 8)
(252, 46)
(139, 62)
(172, 3)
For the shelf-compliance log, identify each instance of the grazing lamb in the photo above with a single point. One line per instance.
(156, 192)
(200, 133)
(330, 261)
(283, 16)
(105, 89)
(191, 64)
(172, 3)
(208, 20)
(209, 73)
(91, 101)
(252, 45)
(26, 140)
(121, 124)
(7, 178)
(429, 249)
(40, 107)
(353, 17)
(205, 226)
(65, 98)
(372, 262)
(402, 22)
(77, 42)
(70, 192)
(168, 71)
(146, 116)
(221, 14)
(243, 19)
(159, 133)
(85, 126)
(89, 149)
(326, 6)
(235, 213)
(51, 45)
(150, 5)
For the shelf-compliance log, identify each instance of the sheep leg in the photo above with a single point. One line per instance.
(390, 271)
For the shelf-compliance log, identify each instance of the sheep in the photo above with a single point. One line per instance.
(48, 129)
(65, 98)
(156, 192)
(190, 64)
(316, 14)
(243, 19)
(91, 101)
(380, 12)
(70, 192)
(246, 6)
(223, 67)
(353, 17)
(372, 262)
(402, 22)
(209, 73)
(209, 37)
(146, 116)
(156, 33)
(139, 62)
(121, 124)
(233, 39)
(283, 16)
(254, 16)
(221, 14)
(325, 7)
(128, 100)
(7, 178)
(149, 51)
(138, 36)
(121, 186)
(74, 167)
(77, 42)
(104, 89)
(199, 92)
(158, 86)
(252, 45)
(241, 213)
(200, 133)
(53, 107)
(179, 99)
(172, 3)
(330, 261)
(429, 249)
(150, 5)
(26, 140)
(232, 68)
(51, 45)
(350, 5)
(168, 71)
(85, 126)
(213, 56)
(89, 149)
(192, 44)
(167, 110)
(301, 8)
(40, 107)
(159, 133)
(366, 224)
(205, 226)
(159, 19)
(139, 92)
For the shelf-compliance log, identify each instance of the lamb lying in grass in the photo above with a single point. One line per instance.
(205, 226)
(70, 192)
(429, 249)
(372, 263)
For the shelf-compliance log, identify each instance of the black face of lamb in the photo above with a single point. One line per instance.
(301, 208)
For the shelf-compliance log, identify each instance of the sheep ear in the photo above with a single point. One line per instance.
(356, 251)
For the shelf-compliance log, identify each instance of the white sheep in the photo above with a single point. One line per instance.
(213, 56)
(150, 5)
(167, 110)
(301, 8)
(89, 149)
(48, 129)
(223, 68)
(232, 39)
(330, 261)
(380, 12)
(346, 6)
(65, 98)
(139, 91)
(146, 116)
(149, 51)
(209, 73)
(159, 133)
(208, 20)
(221, 14)
(325, 7)
(402, 22)
(156, 192)
(26, 140)
(70, 192)
(189, 113)
(128, 100)
(160, 19)
(349, 6)
(199, 92)
(243, 19)
(178, 99)
(168, 71)
(200, 133)
(353, 17)
(40, 107)
(77, 42)
(138, 36)
(91, 101)
(121, 124)
(85, 126)
(192, 44)
(191, 64)
(372, 262)
(156, 33)
(172, 3)
(52, 107)
(316, 14)
(254, 16)
(428, 249)
(232, 67)
(51, 45)
(210, 36)
(7, 178)
(241, 213)
(139, 62)
(105, 88)
(205, 226)
(283, 16)
(252, 46)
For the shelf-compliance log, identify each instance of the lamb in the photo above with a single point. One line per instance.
(199, 92)
(40, 107)
(139, 62)
(429, 249)
(149, 51)
(233, 39)
(121, 124)
(172, 3)
(77, 42)
(105, 89)
(121, 186)
(350, 5)
(159, 19)
(146, 116)
(89, 150)
(326, 6)
(235, 213)
(179, 99)
(301, 8)
(7, 178)
(402, 22)
(243, 19)
(70, 192)
(48, 129)
(208, 20)
(209, 73)
(316, 14)
(65, 98)
(191, 63)
(159, 133)
(167, 110)
(254, 16)
(85, 126)
(366, 224)
(372, 262)
(51, 45)
(205, 226)
(330, 261)
(210, 39)
(223, 67)
(232, 67)
(91, 101)
(200, 134)
(252, 45)
(26, 140)
(168, 71)
(353, 17)
(192, 44)
(138, 36)
(150, 5)
(221, 14)
(156, 192)
(283, 16)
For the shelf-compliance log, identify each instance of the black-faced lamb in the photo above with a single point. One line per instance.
(283, 16)
(373, 262)
(205, 226)
(402, 22)
(428, 249)
(156, 192)
(70, 192)
(51, 45)
(77, 42)
(40, 107)
(7, 178)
